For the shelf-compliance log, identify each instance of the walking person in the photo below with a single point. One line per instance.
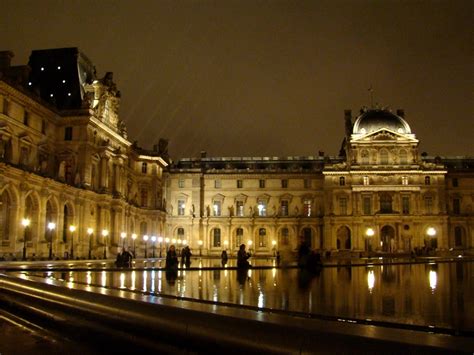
(242, 258)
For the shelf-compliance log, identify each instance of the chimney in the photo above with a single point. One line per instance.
(401, 113)
(5, 59)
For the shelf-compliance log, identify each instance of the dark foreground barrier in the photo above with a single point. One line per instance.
(115, 318)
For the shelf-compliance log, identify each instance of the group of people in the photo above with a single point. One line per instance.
(124, 258)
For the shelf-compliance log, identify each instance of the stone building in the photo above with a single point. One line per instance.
(65, 158)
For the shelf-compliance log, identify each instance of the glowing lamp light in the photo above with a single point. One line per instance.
(431, 231)
(153, 239)
(105, 232)
(160, 239)
(185, 242)
(226, 242)
(369, 232)
(145, 238)
(72, 228)
(134, 236)
(173, 240)
(90, 231)
(25, 222)
(123, 235)
(274, 242)
(167, 240)
(51, 226)
(200, 242)
(249, 242)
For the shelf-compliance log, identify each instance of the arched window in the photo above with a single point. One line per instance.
(427, 180)
(239, 236)
(144, 168)
(143, 228)
(216, 238)
(342, 181)
(383, 157)
(284, 236)
(180, 233)
(262, 237)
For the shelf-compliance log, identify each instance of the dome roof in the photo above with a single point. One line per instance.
(376, 119)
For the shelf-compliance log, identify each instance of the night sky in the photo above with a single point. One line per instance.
(266, 78)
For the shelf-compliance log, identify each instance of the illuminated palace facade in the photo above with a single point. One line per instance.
(65, 160)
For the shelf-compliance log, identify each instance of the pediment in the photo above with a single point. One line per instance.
(384, 134)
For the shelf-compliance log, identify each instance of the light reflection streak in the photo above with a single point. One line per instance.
(370, 280)
(274, 271)
(132, 287)
(88, 278)
(152, 287)
(433, 280)
(104, 278)
(122, 280)
(261, 299)
(145, 276)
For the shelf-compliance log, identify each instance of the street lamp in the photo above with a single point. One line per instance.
(123, 235)
(105, 233)
(431, 232)
(134, 236)
(160, 239)
(51, 226)
(369, 233)
(200, 247)
(145, 239)
(89, 233)
(274, 247)
(25, 222)
(72, 229)
(153, 239)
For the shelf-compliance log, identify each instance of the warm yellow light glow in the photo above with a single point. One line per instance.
(370, 280)
(105, 232)
(431, 231)
(226, 242)
(160, 239)
(173, 240)
(51, 226)
(25, 222)
(369, 232)
(433, 277)
(123, 235)
(134, 236)
(274, 242)
(72, 228)
(153, 238)
(185, 241)
(145, 238)
(167, 240)
(200, 242)
(90, 231)
(249, 242)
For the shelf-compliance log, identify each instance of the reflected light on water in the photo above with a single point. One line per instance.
(152, 287)
(88, 278)
(122, 280)
(133, 276)
(370, 280)
(274, 271)
(144, 280)
(433, 280)
(104, 279)
(261, 300)
(249, 273)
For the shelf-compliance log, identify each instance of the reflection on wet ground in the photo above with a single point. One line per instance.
(437, 295)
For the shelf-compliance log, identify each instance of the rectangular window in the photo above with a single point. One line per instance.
(367, 205)
(456, 206)
(68, 134)
(428, 204)
(217, 184)
(405, 204)
(427, 180)
(239, 236)
(284, 208)
(307, 183)
(239, 207)
(144, 198)
(181, 207)
(284, 183)
(366, 180)
(262, 208)
(261, 184)
(217, 207)
(404, 180)
(181, 183)
(307, 208)
(262, 237)
(216, 242)
(455, 182)
(144, 168)
(240, 184)
(342, 181)
(343, 206)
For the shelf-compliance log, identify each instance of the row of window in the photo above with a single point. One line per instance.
(240, 183)
(366, 180)
(383, 156)
(261, 211)
(262, 240)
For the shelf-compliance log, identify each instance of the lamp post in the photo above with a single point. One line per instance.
(105, 233)
(134, 236)
(25, 222)
(200, 247)
(160, 239)
(274, 247)
(369, 233)
(431, 232)
(123, 235)
(51, 226)
(153, 239)
(72, 229)
(145, 239)
(249, 242)
(89, 233)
